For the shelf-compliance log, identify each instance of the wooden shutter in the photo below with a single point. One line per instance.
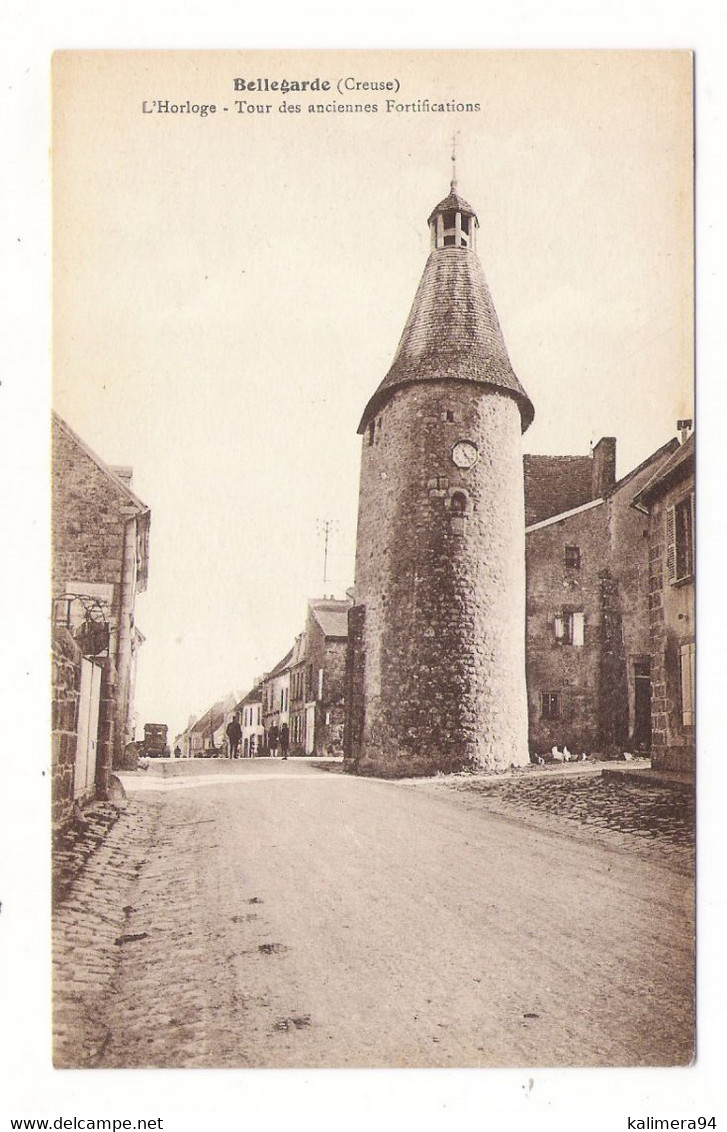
(579, 629)
(671, 550)
(687, 657)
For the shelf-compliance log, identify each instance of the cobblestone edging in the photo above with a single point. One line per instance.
(655, 822)
(73, 846)
(97, 869)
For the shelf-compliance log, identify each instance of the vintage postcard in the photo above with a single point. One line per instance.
(373, 560)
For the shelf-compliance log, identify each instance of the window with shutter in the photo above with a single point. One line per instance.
(671, 560)
(687, 665)
(570, 628)
(683, 538)
(579, 629)
(680, 540)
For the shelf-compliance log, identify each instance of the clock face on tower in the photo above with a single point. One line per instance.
(464, 454)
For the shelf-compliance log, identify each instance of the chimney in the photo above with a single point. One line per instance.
(603, 472)
(684, 428)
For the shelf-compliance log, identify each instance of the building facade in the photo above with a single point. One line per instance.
(326, 640)
(668, 500)
(276, 697)
(299, 695)
(100, 562)
(250, 712)
(436, 660)
(588, 649)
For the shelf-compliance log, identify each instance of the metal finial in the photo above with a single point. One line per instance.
(453, 185)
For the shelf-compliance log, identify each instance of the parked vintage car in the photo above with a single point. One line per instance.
(155, 741)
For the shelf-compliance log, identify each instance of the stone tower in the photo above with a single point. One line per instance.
(436, 657)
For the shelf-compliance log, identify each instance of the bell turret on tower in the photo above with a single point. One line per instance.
(452, 331)
(453, 223)
(436, 664)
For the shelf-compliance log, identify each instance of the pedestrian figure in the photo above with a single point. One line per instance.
(284, 740)
(177, 752)
(273, 740)
(234, 735)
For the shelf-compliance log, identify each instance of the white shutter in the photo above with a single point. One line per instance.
(687, 657)
(579, 630)
(559, 627)
(320, 683)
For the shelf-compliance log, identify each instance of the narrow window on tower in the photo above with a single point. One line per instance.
(372, 431)
(573, 557)
(448, 415)
(457, 512)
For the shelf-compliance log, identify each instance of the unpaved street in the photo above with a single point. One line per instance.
(293, 917)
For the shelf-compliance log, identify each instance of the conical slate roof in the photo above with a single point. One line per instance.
(452, 333)
(453, 203)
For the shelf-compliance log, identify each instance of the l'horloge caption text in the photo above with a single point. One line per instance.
(356, 96)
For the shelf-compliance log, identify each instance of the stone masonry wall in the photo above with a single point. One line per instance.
(88, 528)
(629, 565)
(443, 639)
(330, 655)
(554, 484)
(354, 684)
(613, 695)
(571, 671)
(333, 704)
(66, 690)
(595, 681)
(87, 519)
(671, 616)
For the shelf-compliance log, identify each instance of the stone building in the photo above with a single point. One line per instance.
(100, 560)
(436, 663)
(556, 484)
(184, 739)
(306, 689)
(250, 712)
(206, 737)
(67, 783)
(276, 696)
(667, 498)
(298, 695)
(588, 649)
(326, 638)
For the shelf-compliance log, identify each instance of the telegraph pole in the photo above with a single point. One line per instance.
(325, 528)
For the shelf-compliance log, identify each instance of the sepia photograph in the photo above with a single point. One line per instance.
(373, 559)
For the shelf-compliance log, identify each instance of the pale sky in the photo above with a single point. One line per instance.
(230, 290)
